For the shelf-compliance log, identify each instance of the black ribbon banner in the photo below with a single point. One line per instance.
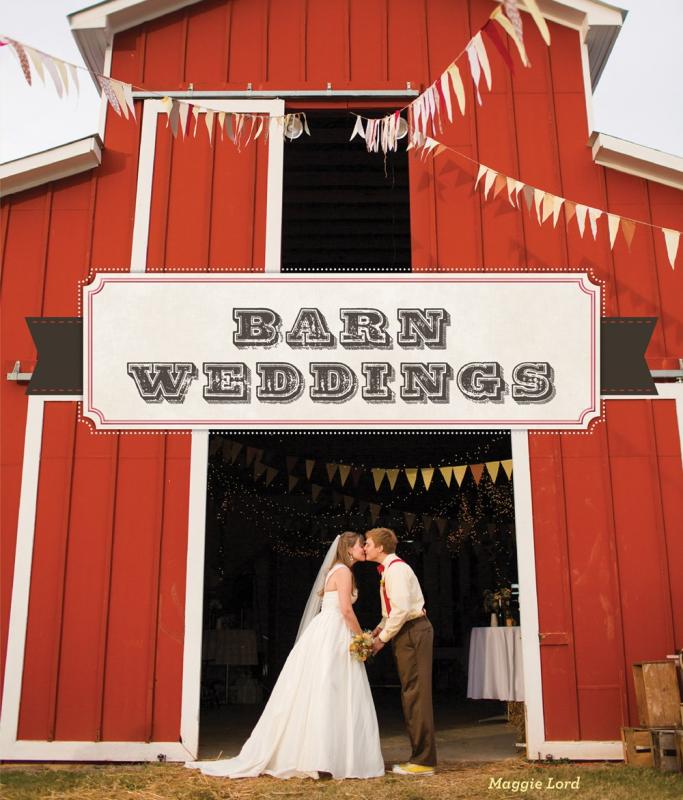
(623, 341)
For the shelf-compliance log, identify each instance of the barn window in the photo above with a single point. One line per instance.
(344, 209)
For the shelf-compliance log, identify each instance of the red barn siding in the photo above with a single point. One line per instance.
(109, 558)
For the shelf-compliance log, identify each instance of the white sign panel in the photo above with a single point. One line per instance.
(471, 350)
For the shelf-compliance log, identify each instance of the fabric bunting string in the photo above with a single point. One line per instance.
(546, 204)
(427, 112)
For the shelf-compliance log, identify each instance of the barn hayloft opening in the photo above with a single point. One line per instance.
(343, 209)
(276, 501)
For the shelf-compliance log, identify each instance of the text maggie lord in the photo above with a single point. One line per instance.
(533, 784)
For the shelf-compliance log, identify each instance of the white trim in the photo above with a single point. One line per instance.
(37, 750)
(528, 598)
(673, 391)
(50, 165)
(194, 593)
(143, 196)
(636, 159)
(582, 751)
(21, 581)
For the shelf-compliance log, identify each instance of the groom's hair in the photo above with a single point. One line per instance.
(383, 537)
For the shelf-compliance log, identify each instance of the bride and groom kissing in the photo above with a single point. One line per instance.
(320, 717)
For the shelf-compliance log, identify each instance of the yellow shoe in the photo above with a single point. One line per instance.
(412, 769)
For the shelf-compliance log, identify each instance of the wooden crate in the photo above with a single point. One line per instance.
(664, 756)
(657, 693)
(637, 744)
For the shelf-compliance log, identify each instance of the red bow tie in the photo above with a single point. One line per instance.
(380, 568)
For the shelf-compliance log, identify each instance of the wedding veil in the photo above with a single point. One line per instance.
(315, 599)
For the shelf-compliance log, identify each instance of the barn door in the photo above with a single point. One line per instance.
(202, 202)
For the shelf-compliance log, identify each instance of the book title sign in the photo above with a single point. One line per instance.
(474, 350)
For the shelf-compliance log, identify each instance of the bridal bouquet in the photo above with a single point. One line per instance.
(361, 646)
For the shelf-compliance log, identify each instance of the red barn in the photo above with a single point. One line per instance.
(103, 535)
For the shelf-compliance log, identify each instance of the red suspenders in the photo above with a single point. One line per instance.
(380, 569)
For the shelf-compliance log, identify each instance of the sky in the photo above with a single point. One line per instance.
(639, 96)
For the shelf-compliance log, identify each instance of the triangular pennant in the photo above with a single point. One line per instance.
(208, 119)
(510, 183)
(128, 94)
(547, 208)
(557, 206)
(507, 467)
(331, 471)
(259, 469)
(475, 68)
(441, 523)
(483, 58)
(344, 472)
(271, 472)
(310, 463)
(533, 9)
(427, 521)
(291, 462)
(64, 75)
(459, 473)
(375, 509)
(628, 228)
(409, 520)
(37, 62)
(488, 182)
(235, 451)
(184, 112)
(378, 476)
(173, 118)
(392, 475)
(477, 471)
(427, 475)
(528, 195)
(105, 84)
(581, 212)
(293, 480)
(500, 182)
(117, 88)
(446, 94)
(250, 455)
(492, 468)
(447, 473)
(348, 502)
(569, 211)
(411, 475)
(594, 215)
(458, 86)
(315, 491)
(358, 129)
(73, 71)
(480, 174)
(195, 116)
(613, 225)
(20, 53)
(216, 445)
(672, 240)
(498, 16)
(492, 32)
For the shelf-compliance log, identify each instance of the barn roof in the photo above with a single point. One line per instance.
(94, 28)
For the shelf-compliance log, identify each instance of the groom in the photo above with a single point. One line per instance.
(405, 623)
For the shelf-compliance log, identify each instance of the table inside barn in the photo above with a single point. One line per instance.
(495, 664)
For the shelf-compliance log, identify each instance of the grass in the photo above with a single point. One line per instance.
(463, 780)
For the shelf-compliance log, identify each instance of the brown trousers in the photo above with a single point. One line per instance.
(413, 646)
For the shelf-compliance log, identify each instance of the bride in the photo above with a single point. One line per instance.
(320, 716)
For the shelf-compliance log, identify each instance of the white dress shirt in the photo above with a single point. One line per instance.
(405, 597)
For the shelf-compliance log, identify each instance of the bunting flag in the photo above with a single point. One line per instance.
(492, 468)
(331, 471)
(447, 473)
(217, 445)
(671, 240)
(236, 450)
(344, 472)
(392, 476)
(507, 467)
(259, 469)
(459, 473)
(378, 476)
(477, 470)
(348, 502)
(441, 524)
(293, 480)
(409, 520)
(315, 491)
(252, 453)
(427, 475)
(499, 17)
(271, 472)
(411, 475)
(310, 463)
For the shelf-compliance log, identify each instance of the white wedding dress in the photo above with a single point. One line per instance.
(320, 716)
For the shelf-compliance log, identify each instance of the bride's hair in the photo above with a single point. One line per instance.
(346, 541)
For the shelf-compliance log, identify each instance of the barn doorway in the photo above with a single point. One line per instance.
(276, 501)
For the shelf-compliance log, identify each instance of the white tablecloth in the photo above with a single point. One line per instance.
(495, 666)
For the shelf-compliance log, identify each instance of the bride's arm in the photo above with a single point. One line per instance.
(344, 589)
